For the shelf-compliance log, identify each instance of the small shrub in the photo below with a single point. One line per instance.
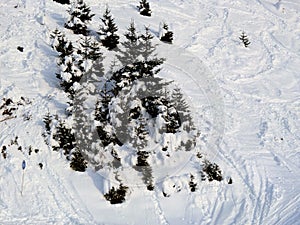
(116, 196)
(213, 171)
(47, 121)
(62, 1)
(166, 34)
(21, 49)
(30, 150)
(4, 152)
(144, 8)
(78, 163)
(192, 184)
(203, 178)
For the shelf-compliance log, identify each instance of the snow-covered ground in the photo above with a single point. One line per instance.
(246, 102)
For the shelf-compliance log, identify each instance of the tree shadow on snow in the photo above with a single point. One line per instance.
(98, 180)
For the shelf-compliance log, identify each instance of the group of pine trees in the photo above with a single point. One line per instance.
(80, 16)
(132, 108)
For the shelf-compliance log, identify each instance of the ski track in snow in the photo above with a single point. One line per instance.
(260, 87)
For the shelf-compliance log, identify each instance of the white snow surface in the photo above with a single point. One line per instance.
(247, 108)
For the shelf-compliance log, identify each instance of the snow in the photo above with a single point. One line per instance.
(246, 102)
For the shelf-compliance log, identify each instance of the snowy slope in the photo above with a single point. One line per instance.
(246, 102)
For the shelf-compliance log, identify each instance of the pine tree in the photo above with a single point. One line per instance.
(150, 60)
(54, 36)
(166, 35)
(169, 113)
(116, 195)
(145, 66)
(130, 51)
(139, 140)
(80, 15)
(65, 138)
(144, 8)
(213, 171)
(89, 49)
(70, 75)
(108, 30)
(102, 111)
(183, 110)
(47, 121)
(147, 46)
(155, 93)
(245, 39)
(61, 45)
(78, 163)
(192, 184)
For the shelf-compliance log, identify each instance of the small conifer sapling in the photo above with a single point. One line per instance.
(166, 35)
(144, 8)
(80, 15)
(245, 39)
(107, 33)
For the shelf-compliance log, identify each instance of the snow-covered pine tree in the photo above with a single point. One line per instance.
(129, 51)
(89, 49)
(47, 121)
(212, 171)
(146, 65)
(61, 45)
(102, 116)
(102, 111)
(70, 75)
(173, 122)
(154, 95)
(108, 31)
(78, 163)
(183, 109)
(116, 195)
(80, 15)
(144, 8)
(169, 113)
(140, 134)
(64, 136)
(245, 39)
(165, 34)
(55, 36)
(65, 141)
